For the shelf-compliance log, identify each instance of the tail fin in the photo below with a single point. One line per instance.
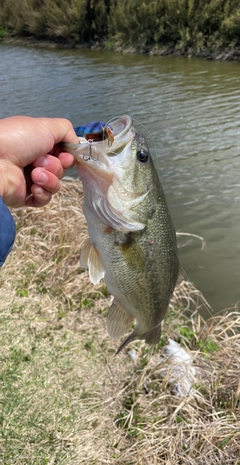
(151, 337)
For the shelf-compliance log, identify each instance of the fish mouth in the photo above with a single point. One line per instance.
(121, 126)
(100, 166)
(100, 157)
(90, 150)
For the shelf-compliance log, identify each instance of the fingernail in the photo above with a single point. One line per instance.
(38, 191)
(43, 178)
(42, 161)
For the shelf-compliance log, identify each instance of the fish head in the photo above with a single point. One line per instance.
(117, 177)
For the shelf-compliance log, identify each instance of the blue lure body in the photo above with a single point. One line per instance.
(95, 131)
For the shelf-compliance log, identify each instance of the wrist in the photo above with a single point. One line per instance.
(1, 183)
(12, 184)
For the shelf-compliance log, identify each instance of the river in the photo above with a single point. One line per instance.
(191, 108)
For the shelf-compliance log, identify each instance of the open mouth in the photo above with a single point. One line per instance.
(91, 149)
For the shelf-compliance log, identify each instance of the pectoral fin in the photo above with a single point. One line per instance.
(85, 252)
(118, 321)
(91, 259)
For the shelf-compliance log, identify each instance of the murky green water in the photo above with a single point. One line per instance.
(192, 109)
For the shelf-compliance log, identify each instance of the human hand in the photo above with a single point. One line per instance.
(31, 163)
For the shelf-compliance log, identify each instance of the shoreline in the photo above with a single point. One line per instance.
(217, 53)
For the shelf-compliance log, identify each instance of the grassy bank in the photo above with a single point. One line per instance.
(202, 27)
(65, 398)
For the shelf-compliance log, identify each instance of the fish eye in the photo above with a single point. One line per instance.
(142, 155)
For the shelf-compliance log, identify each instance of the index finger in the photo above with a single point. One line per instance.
(61, 129)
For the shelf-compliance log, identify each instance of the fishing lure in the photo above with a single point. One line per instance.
(95, 132)
(91, 132)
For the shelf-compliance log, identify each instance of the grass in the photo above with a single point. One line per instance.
(2, 32)
(66, 399)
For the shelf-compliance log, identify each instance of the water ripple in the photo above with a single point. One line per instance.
(191, 108)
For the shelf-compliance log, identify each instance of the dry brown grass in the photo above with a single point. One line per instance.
(66, 399)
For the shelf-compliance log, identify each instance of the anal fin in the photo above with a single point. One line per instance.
(118, 321)
(151, 337)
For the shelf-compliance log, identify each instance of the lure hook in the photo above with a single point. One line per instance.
(90, 141)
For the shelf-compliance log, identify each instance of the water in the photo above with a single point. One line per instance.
(192, 109)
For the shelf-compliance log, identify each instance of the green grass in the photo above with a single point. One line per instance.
(52, 384)
(3, 32)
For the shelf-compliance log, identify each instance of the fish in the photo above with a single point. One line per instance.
(132, 240)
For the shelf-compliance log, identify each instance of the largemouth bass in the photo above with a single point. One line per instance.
(132, 241)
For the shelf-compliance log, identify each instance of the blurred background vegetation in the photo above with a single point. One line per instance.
(144, 25)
